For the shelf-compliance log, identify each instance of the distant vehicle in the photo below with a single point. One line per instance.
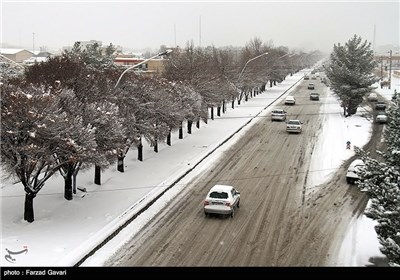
(223, 200)
(353, 171)
(313, 77)
(306, 77)
(294, 126)
(314, 96)
(278, 115)
(290, 100)
(372, 97)
(381, 117)
(380, 105)
(311, 86)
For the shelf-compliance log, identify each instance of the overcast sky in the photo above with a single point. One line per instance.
(307, 25)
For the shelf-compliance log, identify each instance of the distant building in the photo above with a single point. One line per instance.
(17, 55)
(85, 44)
(150, 68)
(40, 57)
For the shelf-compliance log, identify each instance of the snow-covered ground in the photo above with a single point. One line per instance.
(64, 231)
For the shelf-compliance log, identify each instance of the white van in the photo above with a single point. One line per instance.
(353, 170)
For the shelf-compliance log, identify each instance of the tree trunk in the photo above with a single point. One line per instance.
(274, 82)
(223, 107)
(169, 138)
(68, 185)
(140, 151)
(97, 175)
(180, 131)
(233, 103)
(74, 175)
(120, 164)
(74, 183)
(270, 83)
(212, 113)
(198, 124)
(246, 96)
(263, 87)
(189, 126)
(28, 210)
(155, 145)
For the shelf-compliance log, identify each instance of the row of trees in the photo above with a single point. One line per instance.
(64, 115)
(350, 71)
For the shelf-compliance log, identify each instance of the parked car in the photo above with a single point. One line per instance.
(222, 199)
(353, 171)
(381, 117)
(372, 97)
(311, 86)
(314, 96)
(294, 126)
(380, 105)
(278, 115)
(306, 77)
(290, 100)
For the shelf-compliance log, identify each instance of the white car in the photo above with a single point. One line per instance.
(290, 100)
(278, 115)
(372, 97)
(353, 170)
(222, 199)
(294, 126)
(381, 117)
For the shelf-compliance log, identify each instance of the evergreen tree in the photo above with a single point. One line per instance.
(381, 181)
(350, 72)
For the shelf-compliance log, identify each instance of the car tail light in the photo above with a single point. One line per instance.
(206, 202)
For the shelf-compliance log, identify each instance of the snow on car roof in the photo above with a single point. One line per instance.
(221, 188)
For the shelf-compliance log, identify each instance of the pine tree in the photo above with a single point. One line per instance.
(381, 181)
(350, 72)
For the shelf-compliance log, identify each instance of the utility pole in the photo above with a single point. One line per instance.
(390, 68)
(33, 42)
(381, 68)
(200, 32)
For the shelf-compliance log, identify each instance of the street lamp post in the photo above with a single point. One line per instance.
(144, 61)
(241, 73)
(390, 68)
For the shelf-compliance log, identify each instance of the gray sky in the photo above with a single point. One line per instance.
(308, 25)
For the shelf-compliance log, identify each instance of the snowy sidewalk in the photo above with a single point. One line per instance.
(65, 231)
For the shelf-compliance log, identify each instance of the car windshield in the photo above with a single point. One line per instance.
(221, 195)
(293, 122)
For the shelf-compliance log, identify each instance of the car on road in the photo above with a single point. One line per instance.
(294, 126)
(278, 115)
(381, 117)
(380, 105)
(372, 97)
(311, 86)
(223, 200)
(353, 171)
(314, 96)
(290, 100)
